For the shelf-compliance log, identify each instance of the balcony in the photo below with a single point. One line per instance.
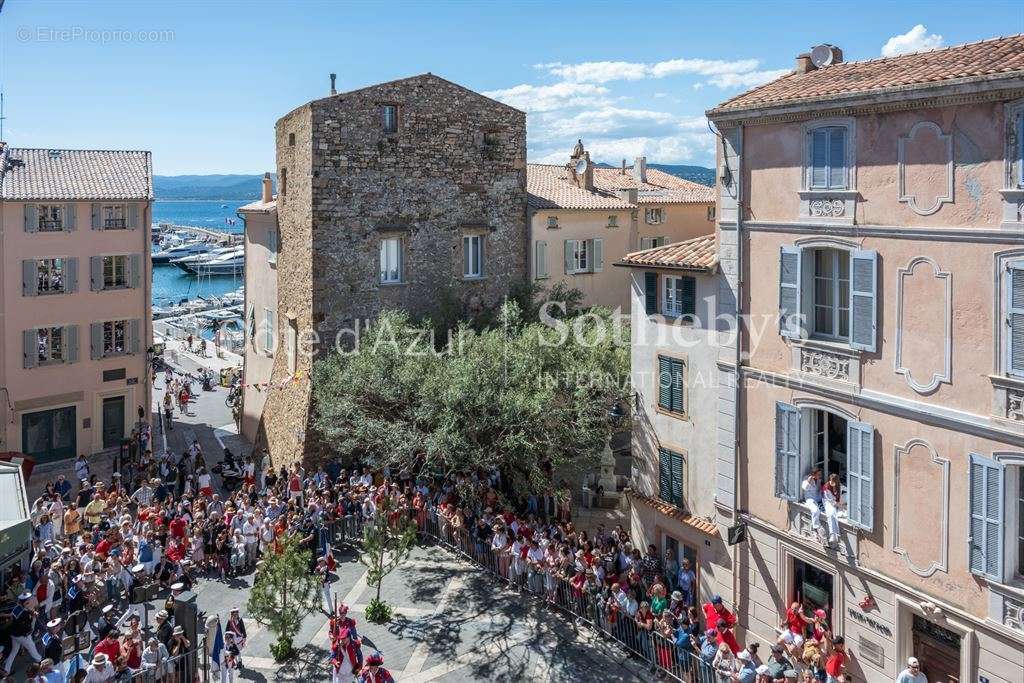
(50, 225)
(114, 224)
(845, 550)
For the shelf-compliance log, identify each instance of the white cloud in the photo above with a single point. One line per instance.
(608, 121)
(916, 39)
(541, 98)
(603, 72)
(667, 149)
(660, 95)
(746, 80)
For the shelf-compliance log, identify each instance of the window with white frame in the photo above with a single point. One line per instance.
(996, 528)
(809, 439)
(50, 345)
(50, 276)
(115, 338)
(651, 242)
(115, 272)
(472, 256)
(679, 297)
(51, 217)
(584, 256)
(540, 260)
(268, 330)
(654, 216)
(114, 216)
(391, 260)
(829, 293)
(828, 158)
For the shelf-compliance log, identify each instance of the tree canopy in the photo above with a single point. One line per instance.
(525, 397)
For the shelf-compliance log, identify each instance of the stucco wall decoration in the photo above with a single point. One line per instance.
(926, 492)
(924, 315)
(925, 168)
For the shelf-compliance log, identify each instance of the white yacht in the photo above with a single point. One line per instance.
(185, 262)
(231, 263)
(181, 250)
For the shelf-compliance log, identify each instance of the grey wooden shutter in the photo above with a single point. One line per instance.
(787, 451)
(677, 405)
(134, 335)
(31, 218)
(96, 341)
(70, 216)
(860, 474)
(664, 475)
(71, 275)
(689, 294)
(569, 246)
(651, 293)
(97, 217)
(132, 216)
(1015, 321)
(819, 158)
(790, 324)
(96, 273)
(597, 249)
(540, 258)
(837, 158)
(71, 344)
(135, 271)
(30, 347)
(863, 304)
(677, 478)
(29, 277)
(985, 539)
(665, 382)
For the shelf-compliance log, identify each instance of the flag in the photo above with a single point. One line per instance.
(218, 646)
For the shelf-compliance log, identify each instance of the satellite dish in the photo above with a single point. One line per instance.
(581, 166)
(822, 56)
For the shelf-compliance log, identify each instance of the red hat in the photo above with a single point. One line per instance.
(376, 659)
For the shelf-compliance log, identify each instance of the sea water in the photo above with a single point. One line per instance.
(170, 283)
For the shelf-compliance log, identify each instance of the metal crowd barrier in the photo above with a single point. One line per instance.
(659, 652)
(188, 667)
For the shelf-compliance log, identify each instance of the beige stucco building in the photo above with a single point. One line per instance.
(74, 298)
(879, 208)
(261, 343)
(583, 217)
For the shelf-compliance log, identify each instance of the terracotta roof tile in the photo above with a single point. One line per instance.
(699, 253)
(549, 187)
(30, 174)
(699, 523)
(996, 57)
(259, 206)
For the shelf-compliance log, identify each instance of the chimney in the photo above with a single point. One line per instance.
(623, 165)
(627, 194)
(640, 169)
(588, 175)
(334, 91)
(268, 192)
(803, 63)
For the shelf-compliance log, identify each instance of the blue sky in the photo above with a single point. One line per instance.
(202, 83)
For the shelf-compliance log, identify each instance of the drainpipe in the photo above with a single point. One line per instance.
(738, 405)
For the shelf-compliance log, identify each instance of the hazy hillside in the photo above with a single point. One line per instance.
(697, 174)
(207, 186)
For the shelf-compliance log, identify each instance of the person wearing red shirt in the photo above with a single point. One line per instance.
(724, 634)
(177, 527)
(109, 646)
(103, 547)
(715, 610)
(836, 661)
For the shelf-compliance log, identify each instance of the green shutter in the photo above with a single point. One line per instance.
(651, 293)
(664, 383)
(677, 386)
(689, 295)
(664, 475)
(677, 478)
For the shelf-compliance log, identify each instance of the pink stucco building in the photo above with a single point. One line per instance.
(877, 208)
(74, 298)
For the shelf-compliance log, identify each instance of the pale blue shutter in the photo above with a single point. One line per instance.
(819, 158)
(71, 275)
(863, 294)
(860, 474)
(97, 217)
(569, 246)
(70, 215)
(597, 249)
(132, 216)
(71, 344)
(96, 273)
(96, 341)
(789, 292)
(1015, 321)
(787, 451)
(30, 348)
(29, 277)
(985, 540)
(31, 218)
(837, 158)
(135, 271)
(134, 336)
(540, 260)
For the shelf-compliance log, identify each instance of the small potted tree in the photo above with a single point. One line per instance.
(385, 545)
(284, 593)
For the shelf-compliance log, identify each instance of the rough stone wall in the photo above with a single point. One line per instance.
(457, 163)
(286, 412)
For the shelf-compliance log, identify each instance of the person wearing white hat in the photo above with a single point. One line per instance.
(100, 670)
(21, 631)
(913, 673)
(747, 669)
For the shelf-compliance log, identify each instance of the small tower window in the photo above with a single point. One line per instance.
(389, 118)
(291, 139)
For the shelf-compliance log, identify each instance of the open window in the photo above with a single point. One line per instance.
(829, 293)
(809, 438)
(584, 256)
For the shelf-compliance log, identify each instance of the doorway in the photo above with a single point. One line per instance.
(938, 650)
(813, 588)
(682, 551)
(49, 435)
(113, 421)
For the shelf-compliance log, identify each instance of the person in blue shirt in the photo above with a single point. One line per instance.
(686, 582)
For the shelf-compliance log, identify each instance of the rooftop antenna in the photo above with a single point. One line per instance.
(2, 117)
